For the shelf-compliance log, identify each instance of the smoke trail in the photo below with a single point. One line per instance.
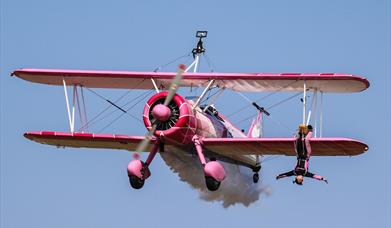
(237, 188)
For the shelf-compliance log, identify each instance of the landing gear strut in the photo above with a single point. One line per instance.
(213, 170)
(255, 177)
(256, 173)
(138, 171)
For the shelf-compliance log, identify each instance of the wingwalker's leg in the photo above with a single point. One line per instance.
(213, 170)
(138, 171)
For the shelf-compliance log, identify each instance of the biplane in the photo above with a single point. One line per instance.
(186, 126)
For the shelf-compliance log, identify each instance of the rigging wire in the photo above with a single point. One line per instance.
(113, 121)
(146, 93)
(172, 61)
(262, 98)
(282, 101)
(84, 108)
(209, 62)
(271, 118)
(209, 96)
(270, 107)
(113, 104)
(108, 107)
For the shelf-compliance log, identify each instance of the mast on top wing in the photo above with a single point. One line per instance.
(200, 48)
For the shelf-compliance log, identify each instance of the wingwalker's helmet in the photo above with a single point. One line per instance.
(302, 127)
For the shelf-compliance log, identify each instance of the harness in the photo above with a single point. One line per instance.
(300, 167)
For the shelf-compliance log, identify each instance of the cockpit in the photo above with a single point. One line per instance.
(212, 111)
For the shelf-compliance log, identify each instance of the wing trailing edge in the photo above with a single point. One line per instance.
(244, 82)
(284, 146)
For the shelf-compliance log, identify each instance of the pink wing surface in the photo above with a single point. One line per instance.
(87, 140)
(283, 146)
(246, 82)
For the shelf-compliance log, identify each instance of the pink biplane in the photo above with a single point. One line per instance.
(186, 126)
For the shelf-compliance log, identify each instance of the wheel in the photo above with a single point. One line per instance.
(212, 184)
(136, 182)
(255, 177)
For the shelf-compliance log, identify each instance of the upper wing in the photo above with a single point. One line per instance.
(106, 141)
(283, 146)
(255, 82)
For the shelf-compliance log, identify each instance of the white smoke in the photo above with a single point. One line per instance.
(237, 188)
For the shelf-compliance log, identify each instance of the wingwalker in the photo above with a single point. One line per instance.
(194, 126)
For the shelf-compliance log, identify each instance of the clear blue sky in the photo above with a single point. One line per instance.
(43, 186)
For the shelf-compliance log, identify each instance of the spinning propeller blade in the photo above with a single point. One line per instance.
(173, 88)
(174, 84)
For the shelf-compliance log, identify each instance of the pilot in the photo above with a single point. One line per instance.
(303, 153)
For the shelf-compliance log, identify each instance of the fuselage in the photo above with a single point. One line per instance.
(188, 121)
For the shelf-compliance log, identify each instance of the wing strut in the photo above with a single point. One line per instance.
(304, 100)
(71, 118)
(321, 115)
(81, 107)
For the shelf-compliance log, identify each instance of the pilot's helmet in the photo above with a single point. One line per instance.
(310, 128)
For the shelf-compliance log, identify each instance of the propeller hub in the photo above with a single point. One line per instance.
(161, 112)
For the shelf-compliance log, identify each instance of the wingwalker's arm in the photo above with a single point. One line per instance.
(287, 174)
(315, 176)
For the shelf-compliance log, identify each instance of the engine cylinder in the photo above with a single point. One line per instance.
(179, 127)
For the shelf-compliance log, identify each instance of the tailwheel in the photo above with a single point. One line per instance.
(212, 184)
(255, 177)
(136, 182)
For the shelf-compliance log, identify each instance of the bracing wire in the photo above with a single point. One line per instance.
(127, 112)
(143, 95)
(108, 107)
(262, 98)
(270, 107)
(171, 62)
(209, 63)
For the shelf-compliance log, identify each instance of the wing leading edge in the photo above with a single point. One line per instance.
(283, 146)
(223, 146)
(246, 82)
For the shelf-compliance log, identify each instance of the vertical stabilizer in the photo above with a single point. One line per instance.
(256, 128)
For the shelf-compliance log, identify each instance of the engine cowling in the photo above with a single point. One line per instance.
(179, 126)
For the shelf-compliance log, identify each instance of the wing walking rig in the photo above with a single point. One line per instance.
(175, 123)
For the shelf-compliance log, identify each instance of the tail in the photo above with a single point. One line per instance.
(256, 128)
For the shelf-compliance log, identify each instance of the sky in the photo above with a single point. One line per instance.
(42, 186)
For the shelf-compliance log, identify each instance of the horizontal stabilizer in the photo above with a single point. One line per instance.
(283, 146)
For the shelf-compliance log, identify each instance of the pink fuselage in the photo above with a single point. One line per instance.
(191, 122)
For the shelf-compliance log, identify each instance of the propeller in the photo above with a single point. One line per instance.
(161, 112)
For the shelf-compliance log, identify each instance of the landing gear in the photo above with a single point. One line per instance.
(256, 170)
(255, 178)
(212, 184)
(136, 182)
(213, 170)
(138, 171)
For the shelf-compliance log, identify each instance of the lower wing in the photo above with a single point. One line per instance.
(283, 146)
(104, 141)
(222, 146)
